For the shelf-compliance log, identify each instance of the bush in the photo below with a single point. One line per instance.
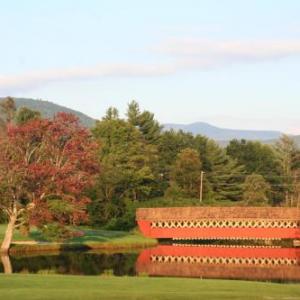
(174, 192)
(127, 220)
(101, 212)
(56, 232)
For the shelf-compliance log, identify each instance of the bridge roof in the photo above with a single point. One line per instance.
(189, 213)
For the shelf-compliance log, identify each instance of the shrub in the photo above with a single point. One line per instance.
(55, 232)
(174, 192)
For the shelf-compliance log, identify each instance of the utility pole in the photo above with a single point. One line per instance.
(201, 186)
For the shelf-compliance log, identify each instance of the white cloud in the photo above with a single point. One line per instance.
(33, 80)
(184, 54)
(228, 52)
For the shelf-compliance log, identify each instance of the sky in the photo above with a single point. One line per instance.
(232, 63)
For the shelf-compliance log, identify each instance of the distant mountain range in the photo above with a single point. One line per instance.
(222, 135)
(49, 109)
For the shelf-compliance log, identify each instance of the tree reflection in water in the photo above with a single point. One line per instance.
(198, 261)
(75, 263)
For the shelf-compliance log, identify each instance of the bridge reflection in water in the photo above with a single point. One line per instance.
(226, 262)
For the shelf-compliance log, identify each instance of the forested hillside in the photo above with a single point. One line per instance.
(49, 109)
(142, 165)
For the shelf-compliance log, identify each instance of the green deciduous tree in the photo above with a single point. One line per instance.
(256, 157)
(186, 172)
(128, 162)
(260, 159)
(256, 190)
(25, 114)
(172, 142)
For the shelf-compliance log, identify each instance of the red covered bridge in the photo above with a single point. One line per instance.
(220, 222)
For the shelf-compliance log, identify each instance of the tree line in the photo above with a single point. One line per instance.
(55, 171)
(142, 162)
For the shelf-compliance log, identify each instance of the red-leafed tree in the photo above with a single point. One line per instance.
(45, 167)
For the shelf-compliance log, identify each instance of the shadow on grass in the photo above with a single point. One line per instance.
(90, 239)
(37, 236)
(86, 240)
(88, 235)
(98, 236)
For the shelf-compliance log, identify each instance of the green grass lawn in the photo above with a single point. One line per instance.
(17, 235)
(92, 238)
(33, 287)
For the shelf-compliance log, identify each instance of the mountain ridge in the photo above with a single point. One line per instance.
(223, 134)
(48, 109)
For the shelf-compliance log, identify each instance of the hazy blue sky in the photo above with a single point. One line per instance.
(233, 63)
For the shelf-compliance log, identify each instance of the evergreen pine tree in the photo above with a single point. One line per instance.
(224, 174)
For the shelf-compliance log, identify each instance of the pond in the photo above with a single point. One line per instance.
(198, 261)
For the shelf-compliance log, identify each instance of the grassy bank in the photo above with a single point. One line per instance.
(35, 287)
(91, 239)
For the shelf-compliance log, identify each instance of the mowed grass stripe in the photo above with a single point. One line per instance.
(78, 287)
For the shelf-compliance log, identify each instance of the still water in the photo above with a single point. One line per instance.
(198, 261)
